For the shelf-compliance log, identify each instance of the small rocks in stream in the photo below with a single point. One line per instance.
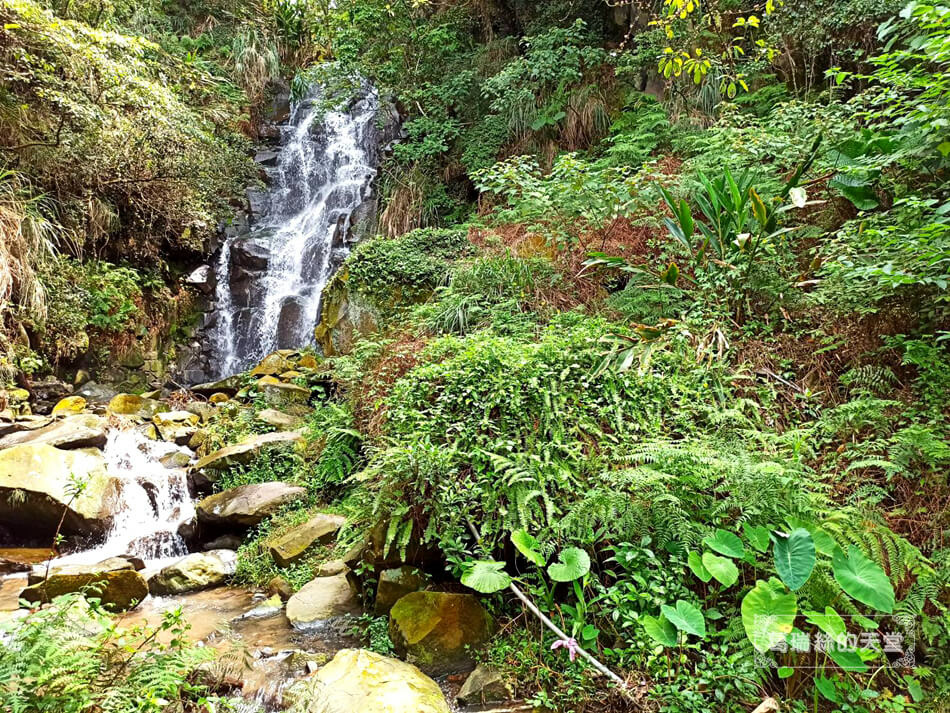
(281, 587)
(8, 566)
(267, 608)
(197, 571)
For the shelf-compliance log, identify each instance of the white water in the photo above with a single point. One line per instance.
(152, 503)
(324, 172)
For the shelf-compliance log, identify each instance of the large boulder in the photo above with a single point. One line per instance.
(294, 544)
(484, 685)
(79, 431)
(247, 505)
(36, 483)
(113, 564)
(279, 420)
(207, 469)
(320, 600)
(433, 629)
(272, 364)
(118, 590)
(197, 571)
(176, 426)
(228, 385)
(396, 583)
(360, 681)
(285, 397)
(135, 406)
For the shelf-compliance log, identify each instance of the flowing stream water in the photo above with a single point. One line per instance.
(269, 281)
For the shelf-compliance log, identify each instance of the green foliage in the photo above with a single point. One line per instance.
(73, 657)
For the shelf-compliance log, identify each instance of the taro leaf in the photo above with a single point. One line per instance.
(660, 630)
(757, 536)
(785, 672)
(686, 618)
(863, 580)
(848, 660)
(768, 614)
(699, 569)
(830, 622)
(486, 576)
(856, 189)
(725, 543)
(794, 557)
(670, 274)
(824, 543)
(722, 568)
(826, 687)
(573, 563)
(527, 546)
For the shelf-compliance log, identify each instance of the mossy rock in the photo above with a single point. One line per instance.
(69, 405)
(247, 505)
(136, 406)
(294, 544)
(272, 364)
(197, 571)
(118, 591)
(218, 398)
(396, 583)
(433, 630)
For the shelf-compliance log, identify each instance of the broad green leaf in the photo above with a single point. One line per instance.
(757, 536)
(573, 563)
(826, 687)
(686, 618)
(824, 543)
(671, 274)
(527, 546)
(486, 576)
(725, 543)
(722, 568)
(785, 672)
(660, 630)
(699, 569)
(830, 622)
(794, 557)
(848, 660)
(863, 580)
(768, 614)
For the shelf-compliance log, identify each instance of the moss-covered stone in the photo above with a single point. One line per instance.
(294, 544)
(433, 629)
(197, 571)
(396, 583)
(119, 590)
(135, 406)
(272, 364)
(247, 505)
(70, 404)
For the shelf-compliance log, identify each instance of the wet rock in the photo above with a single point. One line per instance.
(321, 599)
(225, 542)
(218, 398)
(247, 505)
(256, 202)
(79, 431)
(10, 424)
(226, 386)
(96, 393)
(135, 406)
(292, 546)
(175, 459)
(360, 681)
(70, 404)
(41, 476)
(112, 564)
(269, 607)
(280, 587)
(266, 158)
(206, 469)
(197, 571)
(279, 420)
(119, 590)
(396, 583)
(8, 566)
(272, 365)
(434, 629)
(201, 279)
(46, 393)
(285, 396)
(484, 686)
(176, 426)
(82, 377)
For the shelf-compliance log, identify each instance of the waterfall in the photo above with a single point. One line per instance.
(269, 280)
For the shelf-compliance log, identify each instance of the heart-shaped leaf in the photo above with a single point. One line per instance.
(722, 568)
(757, 536)
(686, 618)
(527, 546)
(699, 569)
(725, 543)
(768, 614)
(848, 660)
(573, 563)
(862, 579)
(794, 557)
(660, 630)
(830, 622)
(486, 576)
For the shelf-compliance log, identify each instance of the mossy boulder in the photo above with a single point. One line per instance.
(197, 571)
(247, 505)
(176, 426)
(118, 590)
(272, 365)
(279, 420)
(321, 600)
(83, 430)
(229, 385)
(293, 545)
(396, 583)
(208, 469)
(69, 405)
(42, 476)
(433, 630)
(360, 681)
(135, 406)
(218, 398)
(284, 397)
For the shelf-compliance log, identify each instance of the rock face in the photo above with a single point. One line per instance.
(483, 686)
(321, 599)
(40, 474)
(78, 431)
(394, 584)
(247, 505)
(197, 571)
(360, 681)
(119, 590)
(432, 629)
(292, 546)
(241, 453)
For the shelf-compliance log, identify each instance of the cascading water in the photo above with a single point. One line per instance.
(153, 501)
(269, 281)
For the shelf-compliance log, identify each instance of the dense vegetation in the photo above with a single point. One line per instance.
(659, 309)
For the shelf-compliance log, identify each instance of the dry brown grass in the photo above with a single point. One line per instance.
(369, 395)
